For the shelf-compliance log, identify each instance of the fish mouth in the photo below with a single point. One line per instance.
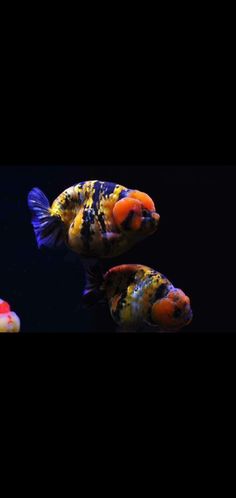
(153, 218)
(156, 217)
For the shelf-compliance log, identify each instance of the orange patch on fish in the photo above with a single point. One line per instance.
(136, 223)
(145, 199)
(123, 207)
(4, 307)
(162, 312)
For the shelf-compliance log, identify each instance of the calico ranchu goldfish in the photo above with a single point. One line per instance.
(95, 219)
(138, 295)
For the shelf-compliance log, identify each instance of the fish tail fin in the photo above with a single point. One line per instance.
(93, 291)
(48, 228)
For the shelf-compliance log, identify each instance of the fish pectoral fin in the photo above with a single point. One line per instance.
(111, 236)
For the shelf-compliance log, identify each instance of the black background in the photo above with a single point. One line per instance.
(166, 101)
(192, 246)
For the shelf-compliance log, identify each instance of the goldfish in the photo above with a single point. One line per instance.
(138, 295)
(95, 219)
(9, 321)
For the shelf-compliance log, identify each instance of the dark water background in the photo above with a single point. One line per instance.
(44, 287)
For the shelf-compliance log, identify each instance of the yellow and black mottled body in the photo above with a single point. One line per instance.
(92, 231)
(138, 294)
(96, 219)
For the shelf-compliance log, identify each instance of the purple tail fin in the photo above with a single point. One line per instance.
(48, 229)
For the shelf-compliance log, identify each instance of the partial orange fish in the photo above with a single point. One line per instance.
(9, 321)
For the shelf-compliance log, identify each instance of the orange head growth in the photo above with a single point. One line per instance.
(172, 312)
(145, 199)
(126, 207)
(4, 307)
(135, 211)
